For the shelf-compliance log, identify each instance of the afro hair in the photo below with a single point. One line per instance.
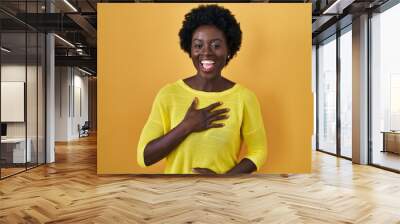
(214, 15)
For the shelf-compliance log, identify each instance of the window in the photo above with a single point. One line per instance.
(327, 95)
(346, 93)
(385, 88)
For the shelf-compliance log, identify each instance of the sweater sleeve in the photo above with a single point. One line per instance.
(154, 128)
(253, 131)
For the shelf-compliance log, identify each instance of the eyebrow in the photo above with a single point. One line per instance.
(210, 40)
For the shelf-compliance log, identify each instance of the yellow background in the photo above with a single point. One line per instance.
(138, 53)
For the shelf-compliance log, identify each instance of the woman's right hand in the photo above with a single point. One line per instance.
(197, 120)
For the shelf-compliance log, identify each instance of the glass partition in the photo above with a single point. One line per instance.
(14, 153)
(327, 95)
(41, 87)
(22, 88)
(32, 95)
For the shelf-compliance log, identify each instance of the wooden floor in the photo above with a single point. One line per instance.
(387, 159)
(69, 191)
(5, 172)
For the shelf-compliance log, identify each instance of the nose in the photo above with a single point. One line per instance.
(206, 50)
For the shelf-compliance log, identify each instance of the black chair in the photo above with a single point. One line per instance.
(84, 130)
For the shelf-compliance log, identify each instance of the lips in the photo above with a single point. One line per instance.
(207, 65)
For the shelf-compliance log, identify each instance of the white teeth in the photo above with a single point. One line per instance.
(207, 62)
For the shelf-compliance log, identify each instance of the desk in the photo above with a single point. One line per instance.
(391, 141)
(13, 150)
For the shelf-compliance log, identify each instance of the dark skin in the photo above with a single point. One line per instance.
(208, 46)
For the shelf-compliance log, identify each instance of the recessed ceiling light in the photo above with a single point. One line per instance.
(84, 71)
(337, 7)
(71, 6)
(64, 40)
(5, 50)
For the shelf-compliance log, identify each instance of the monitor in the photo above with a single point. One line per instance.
(3, 129)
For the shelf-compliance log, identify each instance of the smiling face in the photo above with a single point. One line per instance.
(209, 51)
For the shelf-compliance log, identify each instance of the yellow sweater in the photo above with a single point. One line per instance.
(216, 148)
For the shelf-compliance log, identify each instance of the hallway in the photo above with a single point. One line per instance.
(69, 191)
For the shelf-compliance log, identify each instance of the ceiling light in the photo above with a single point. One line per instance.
(84, 71)
(70, 5)
(65, 41)
(5, 50)
(79, 51)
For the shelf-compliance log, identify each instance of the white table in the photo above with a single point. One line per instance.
(18, 148)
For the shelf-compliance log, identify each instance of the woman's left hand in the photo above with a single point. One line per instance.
(198, 170)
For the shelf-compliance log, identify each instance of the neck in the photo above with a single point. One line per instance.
(208, 85)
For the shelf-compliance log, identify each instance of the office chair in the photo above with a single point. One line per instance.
(84, 130)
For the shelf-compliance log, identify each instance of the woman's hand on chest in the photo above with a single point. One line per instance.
(197, 120)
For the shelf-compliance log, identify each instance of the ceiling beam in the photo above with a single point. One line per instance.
(83, 61)
(84, 24)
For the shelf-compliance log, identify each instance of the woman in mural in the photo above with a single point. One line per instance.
(198, 123)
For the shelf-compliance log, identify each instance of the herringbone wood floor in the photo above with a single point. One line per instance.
(69, 191)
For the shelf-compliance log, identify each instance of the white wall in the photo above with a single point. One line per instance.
(62, 81)
(71, 102)
(80, 110)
